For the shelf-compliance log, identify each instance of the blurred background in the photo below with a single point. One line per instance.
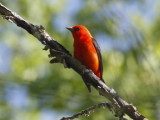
(128, 32)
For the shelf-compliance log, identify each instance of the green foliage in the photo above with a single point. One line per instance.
(32, 86)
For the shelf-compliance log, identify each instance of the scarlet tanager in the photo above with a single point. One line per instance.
(87, 50)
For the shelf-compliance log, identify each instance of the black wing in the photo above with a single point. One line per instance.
(99, 56)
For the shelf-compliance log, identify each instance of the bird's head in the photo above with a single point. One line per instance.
(79, 30)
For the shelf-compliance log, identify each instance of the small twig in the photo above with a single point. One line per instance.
(87, 111)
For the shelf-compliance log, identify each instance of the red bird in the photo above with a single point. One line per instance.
(87, 50)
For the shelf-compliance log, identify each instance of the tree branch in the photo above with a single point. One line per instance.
(87, 111)
(61, 55)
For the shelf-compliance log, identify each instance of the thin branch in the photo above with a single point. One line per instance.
(87, 111)
(61, 55)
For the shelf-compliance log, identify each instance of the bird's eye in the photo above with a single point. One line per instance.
(77, 29)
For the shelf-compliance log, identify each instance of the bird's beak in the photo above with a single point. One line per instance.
(70, 28)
